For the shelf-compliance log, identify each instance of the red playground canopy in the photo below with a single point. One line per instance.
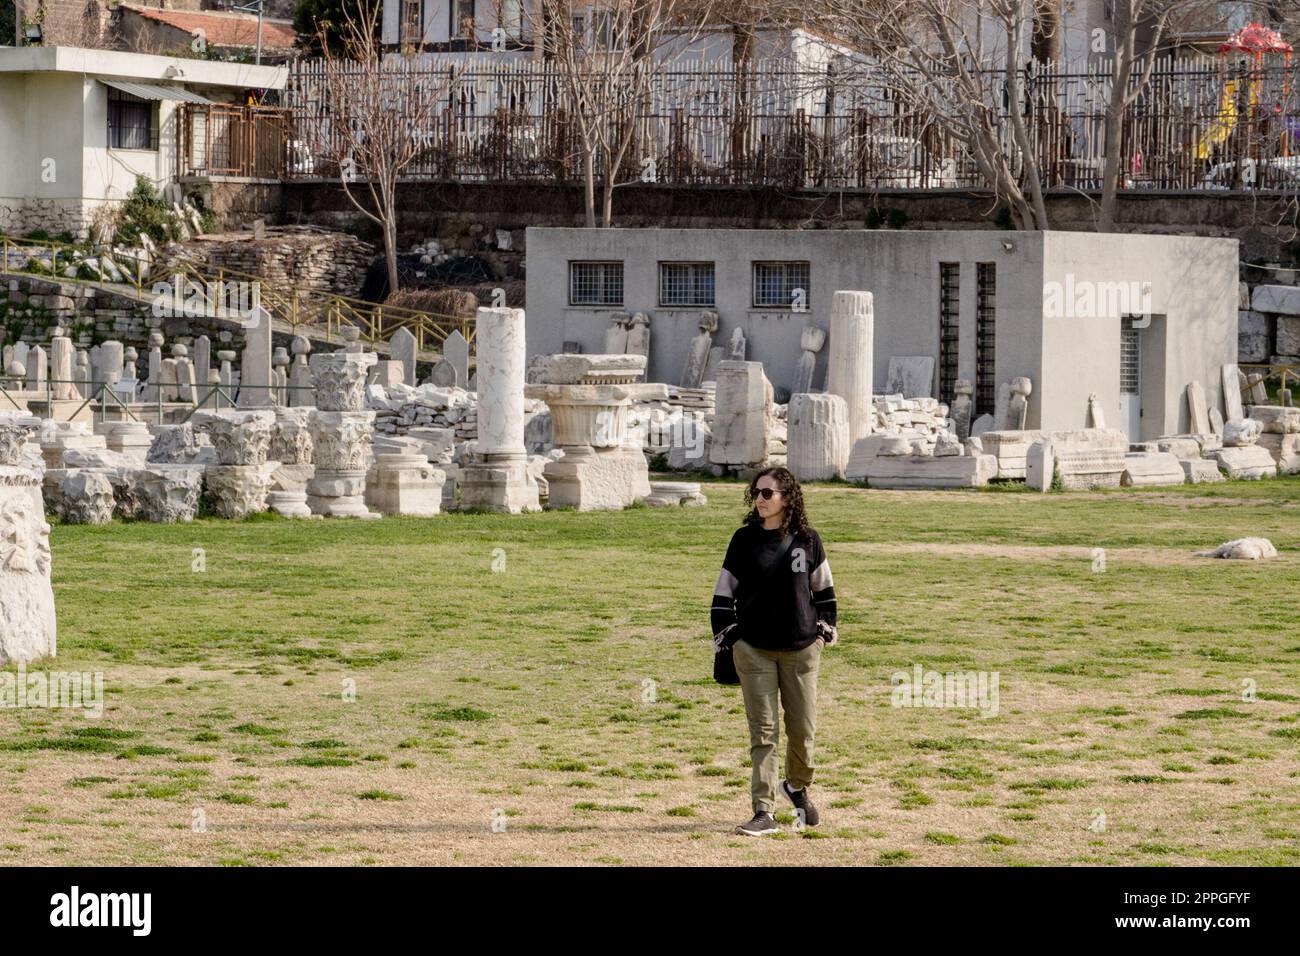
(1255, 38)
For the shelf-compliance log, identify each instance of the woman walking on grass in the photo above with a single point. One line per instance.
(774, 606)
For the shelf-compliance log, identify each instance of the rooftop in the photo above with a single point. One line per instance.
(221, 28)
(140, 66)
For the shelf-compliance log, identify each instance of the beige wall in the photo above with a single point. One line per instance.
(1193, 284)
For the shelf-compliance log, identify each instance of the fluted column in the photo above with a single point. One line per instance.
(851, 354)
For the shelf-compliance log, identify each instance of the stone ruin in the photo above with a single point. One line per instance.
(599, 468)
(575, 430)
(27, 619)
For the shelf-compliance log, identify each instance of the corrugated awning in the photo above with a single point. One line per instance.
(154, 91)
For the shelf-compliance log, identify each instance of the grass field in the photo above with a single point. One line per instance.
(568, 694)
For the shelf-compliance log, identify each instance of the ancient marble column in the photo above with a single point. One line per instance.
(83, 374)
(27, 621)
(498, 480)
(226, 357)
(300, 374)
(280, 373)
(341, 432)
(849, 370)
(186, 385)
(202, 361)
(817, 436)
(154, 389)
(61, 364)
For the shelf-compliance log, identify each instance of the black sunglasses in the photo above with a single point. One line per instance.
(767, 493)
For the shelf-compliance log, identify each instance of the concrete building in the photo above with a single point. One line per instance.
(1132, 318)
(77, 126)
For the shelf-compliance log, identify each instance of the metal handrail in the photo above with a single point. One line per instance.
(1291, 370)
(101, 392)
(295, 307)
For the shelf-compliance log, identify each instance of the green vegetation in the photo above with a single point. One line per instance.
(343, 692)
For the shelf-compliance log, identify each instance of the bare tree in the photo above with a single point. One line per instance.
(958, 63)
(381, 120)
(1131, 70)
(608, 58)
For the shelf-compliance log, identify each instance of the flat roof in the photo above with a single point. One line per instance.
(140, 66)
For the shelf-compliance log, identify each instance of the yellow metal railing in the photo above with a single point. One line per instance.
(1259, 372)
(298, 308)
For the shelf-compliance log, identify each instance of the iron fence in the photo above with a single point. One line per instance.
(1201, 123)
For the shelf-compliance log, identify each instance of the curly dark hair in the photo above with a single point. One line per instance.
(795, 520)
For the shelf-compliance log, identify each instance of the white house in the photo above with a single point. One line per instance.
(78, 126)
(510, 27)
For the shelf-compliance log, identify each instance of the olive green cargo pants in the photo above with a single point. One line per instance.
(791, 675)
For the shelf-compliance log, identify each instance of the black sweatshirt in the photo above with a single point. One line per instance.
(774, 607)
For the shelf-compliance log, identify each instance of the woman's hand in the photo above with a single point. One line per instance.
(826, 632)
(726, 637)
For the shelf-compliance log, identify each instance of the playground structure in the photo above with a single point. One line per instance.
(1254, 109)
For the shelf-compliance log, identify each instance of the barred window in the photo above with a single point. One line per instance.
(686, 283)
(132, 121)
(780, 285)
(595, 283)
(949, 327)
(986, 298)
(1130, 363)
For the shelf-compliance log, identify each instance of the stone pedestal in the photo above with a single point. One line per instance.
(849, 367)
(926, 471)
(339, 442)
(57, 438)
(405, 484)
(742, 424)
(672, 493)
(497, 479)
(817, 436)
(602, 469)
(291, 504)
